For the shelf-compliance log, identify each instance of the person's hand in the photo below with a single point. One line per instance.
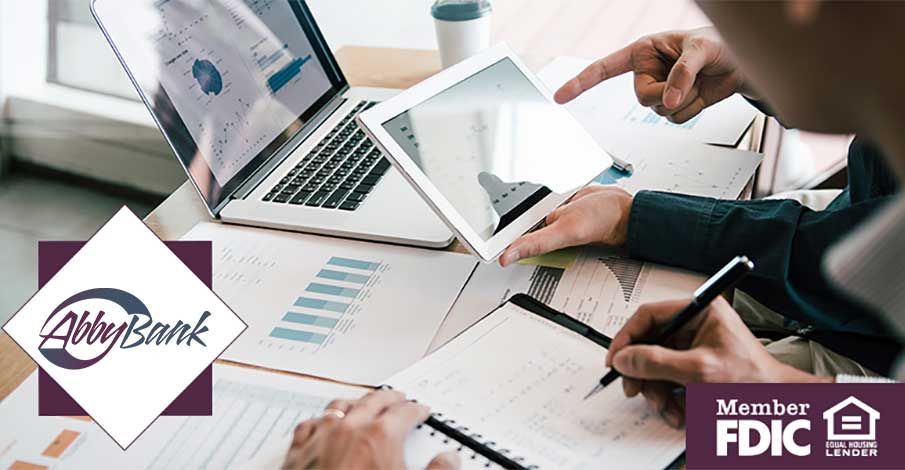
(714, 347)
(596, 214)
(368, 433)
(677, 73)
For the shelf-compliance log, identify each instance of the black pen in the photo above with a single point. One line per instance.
(713, 287)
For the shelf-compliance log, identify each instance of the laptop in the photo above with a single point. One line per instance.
(257, 110)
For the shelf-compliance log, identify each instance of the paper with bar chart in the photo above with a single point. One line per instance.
(346, 310)
(490, 286)
(252, 410)
(605, 287)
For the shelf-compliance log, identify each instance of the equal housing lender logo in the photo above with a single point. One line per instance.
(795, 426)
(124, 328)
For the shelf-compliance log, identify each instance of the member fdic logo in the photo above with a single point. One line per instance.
(124, 328)
(795, 426)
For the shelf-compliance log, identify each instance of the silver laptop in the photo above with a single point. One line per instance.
(257, 110)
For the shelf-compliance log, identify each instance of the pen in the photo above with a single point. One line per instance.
(622, 165)
(724, 279)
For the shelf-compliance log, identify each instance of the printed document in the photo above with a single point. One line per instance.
(350, 311)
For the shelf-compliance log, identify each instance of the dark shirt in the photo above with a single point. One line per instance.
(786, 240)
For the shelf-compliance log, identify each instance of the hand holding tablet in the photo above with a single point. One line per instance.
(486, 146)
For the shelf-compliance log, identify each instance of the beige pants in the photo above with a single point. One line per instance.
(796, 351)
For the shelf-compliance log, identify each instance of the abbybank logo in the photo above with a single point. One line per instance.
(124, 328)
(66, 332)
(795, 425)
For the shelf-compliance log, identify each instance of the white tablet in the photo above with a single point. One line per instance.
(486, 146)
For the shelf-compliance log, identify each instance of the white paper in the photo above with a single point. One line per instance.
(252, 409)
(488, 288)
(612, 106)
(679, 166)
(665, 156)
(590, 290)
(604, 288)
(519, 380)
(351, 311)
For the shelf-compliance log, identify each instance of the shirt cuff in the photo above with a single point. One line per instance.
(670, 228)
(860, 379)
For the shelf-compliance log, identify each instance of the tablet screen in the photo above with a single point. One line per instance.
(493, 148)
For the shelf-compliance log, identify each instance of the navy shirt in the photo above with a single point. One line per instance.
(786, 240)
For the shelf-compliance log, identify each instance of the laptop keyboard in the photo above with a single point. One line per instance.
(339, 172)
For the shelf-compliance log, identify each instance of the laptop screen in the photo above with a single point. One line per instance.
(228, 81)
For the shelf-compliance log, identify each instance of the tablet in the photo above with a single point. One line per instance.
(486, 146)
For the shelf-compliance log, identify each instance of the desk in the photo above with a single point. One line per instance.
(390, 68)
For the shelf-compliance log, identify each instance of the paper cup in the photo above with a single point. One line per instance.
(463, 28)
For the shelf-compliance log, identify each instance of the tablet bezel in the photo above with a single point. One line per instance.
(372, 122)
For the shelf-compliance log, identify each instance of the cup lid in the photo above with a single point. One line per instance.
(460, 10)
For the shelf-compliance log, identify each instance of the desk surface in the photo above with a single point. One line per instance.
(388, 68)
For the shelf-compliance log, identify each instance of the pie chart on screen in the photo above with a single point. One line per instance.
(207, 76)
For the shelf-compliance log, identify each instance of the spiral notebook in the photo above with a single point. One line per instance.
(508, 393)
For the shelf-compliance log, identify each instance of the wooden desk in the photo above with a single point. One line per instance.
(390, 68)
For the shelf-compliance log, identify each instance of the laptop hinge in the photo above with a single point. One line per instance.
(287, 149)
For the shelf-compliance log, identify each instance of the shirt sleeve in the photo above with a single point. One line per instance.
(785, 239)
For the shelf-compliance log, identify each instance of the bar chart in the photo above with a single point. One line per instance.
(327, 301)
(286, 74)
(351, 311)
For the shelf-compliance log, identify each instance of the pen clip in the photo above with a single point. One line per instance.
(721, 281)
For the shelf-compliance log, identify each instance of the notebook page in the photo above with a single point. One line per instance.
(518, 381)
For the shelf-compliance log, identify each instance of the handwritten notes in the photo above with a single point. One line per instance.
(518, 381)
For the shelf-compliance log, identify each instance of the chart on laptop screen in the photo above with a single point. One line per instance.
(238, 72)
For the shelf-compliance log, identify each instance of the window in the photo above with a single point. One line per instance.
(78, 55)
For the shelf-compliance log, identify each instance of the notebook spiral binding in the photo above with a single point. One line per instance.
(475, 443)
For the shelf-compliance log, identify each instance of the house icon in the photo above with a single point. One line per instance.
(851, 420)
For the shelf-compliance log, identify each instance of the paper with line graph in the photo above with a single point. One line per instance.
(351, 311)
(605, 287)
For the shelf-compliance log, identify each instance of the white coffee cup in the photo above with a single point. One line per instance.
(463, 28)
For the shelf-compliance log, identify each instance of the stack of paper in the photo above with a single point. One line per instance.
(612, 106)
(665, 156)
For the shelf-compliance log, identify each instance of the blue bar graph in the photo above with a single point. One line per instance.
(353, 263)
(328, 303)
(327, 289)
(296, 335)
(305, 319)
(342, 276)
(286, 74)
(319, 304)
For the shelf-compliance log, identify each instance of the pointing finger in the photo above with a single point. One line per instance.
(617, 63)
